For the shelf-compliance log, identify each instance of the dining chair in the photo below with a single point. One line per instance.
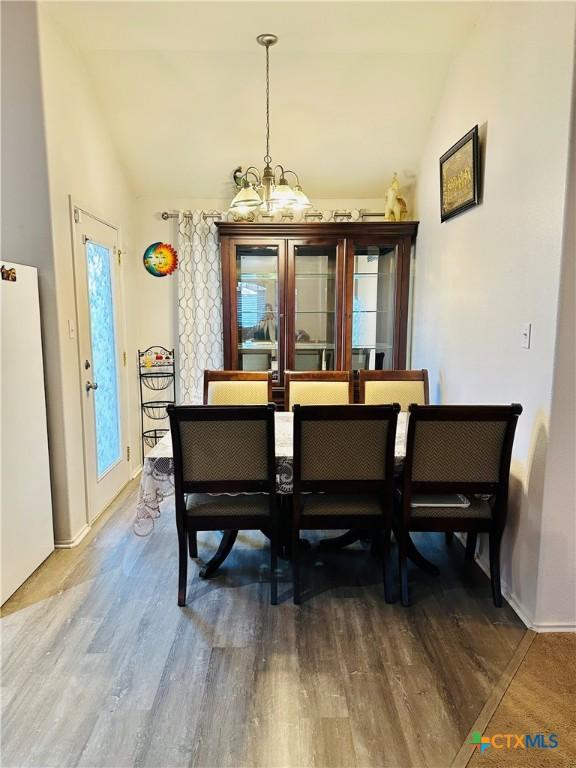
(343, 474)
(404, 387)
(317, 388)
(237, 387)
(457, 449)
(228, 451)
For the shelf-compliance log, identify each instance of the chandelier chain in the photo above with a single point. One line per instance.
(263, 189)
(267, 158)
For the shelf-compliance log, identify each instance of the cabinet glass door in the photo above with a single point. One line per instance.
(373, 307)
(258, 330)
(314, 329)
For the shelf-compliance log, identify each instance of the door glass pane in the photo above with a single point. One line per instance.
(103, 371)
(373, 307)
(315, 321)
(257, 307)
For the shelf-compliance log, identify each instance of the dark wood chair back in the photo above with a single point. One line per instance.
(343, 473)
(459, 449)
(242, 388)
(344, 448)
(405, 387)
(223, 449)
(321, 395)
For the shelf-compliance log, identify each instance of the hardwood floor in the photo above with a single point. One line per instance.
(101, 667)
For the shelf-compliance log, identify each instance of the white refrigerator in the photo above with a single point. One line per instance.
(26, 530)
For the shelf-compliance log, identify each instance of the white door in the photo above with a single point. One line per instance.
(102, 360)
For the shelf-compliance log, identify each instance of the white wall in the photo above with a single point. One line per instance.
(481, 275)
(83, 163)
(26, 215)
(26, 236)
(556, 600)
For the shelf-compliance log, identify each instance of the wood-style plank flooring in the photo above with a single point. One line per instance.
(101, 667)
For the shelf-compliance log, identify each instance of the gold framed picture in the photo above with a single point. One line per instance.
(459, 171)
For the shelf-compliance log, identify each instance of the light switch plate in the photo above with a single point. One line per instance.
(525, 335)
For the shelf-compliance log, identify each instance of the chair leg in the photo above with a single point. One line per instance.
(471, 538)
(192, 544)
(182, 567)
(386, 566)
(449, 537)
(296, 565)
(494, 546)
(274, 559)
(403, 564)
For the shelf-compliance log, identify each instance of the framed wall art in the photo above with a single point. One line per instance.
(459, 172)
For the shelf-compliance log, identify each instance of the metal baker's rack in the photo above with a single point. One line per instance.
(156, 373)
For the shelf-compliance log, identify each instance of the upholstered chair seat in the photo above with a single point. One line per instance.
(237, 393)
(205, 505)
(317, 388)
(340, 504)
(237, 387)
(319, 393)
(402, 392)
(403, 387)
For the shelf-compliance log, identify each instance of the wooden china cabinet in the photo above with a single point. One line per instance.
(315, 296)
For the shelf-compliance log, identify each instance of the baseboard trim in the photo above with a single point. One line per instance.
(71, 543)
(136, 472)
(549, 627)
(520, 611)
(509, 596)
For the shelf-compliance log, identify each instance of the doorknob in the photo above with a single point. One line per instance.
(90, 386)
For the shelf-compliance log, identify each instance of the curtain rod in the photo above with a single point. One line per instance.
(310, 215)
(208, 215)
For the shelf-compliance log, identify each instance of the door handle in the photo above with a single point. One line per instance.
(90, 385)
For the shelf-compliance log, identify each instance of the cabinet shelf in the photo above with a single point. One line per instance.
(244, 276)
(307, 275)
(318, 274)
(315, 311)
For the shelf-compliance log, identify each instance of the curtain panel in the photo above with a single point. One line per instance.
(200, 344)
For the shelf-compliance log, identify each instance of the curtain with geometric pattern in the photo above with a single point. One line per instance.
(199, 304)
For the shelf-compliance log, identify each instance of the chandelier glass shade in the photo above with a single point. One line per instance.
(268, 190)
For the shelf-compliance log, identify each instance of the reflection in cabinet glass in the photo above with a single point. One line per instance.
(315, 296)
(373, 307)
(257, 308)
(315, 307)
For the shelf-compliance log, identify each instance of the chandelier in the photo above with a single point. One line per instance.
(268, 190)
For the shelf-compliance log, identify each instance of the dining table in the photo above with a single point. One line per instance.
(157, 485)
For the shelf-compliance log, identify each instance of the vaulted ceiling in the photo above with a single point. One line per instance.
(354, 87)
